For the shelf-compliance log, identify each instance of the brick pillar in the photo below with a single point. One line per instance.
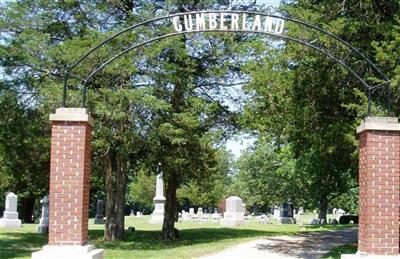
(379, 180)
(69, 176)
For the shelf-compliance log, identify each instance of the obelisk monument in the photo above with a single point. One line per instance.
(157, 216)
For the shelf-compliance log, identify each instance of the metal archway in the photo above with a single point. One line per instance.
(342, 52)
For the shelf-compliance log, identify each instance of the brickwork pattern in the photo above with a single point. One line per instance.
(70, 168)
(379, 187)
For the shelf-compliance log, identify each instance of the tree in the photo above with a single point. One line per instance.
(208, 190)
(24, 151)
(309, 102)
(142, 190)
(267, 175)
(167, 117)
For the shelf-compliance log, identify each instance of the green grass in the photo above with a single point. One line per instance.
(336, 252)
(197, 239)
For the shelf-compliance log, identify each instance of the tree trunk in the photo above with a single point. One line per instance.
(120, 197)
(170, 209)
(323, 207)
(115, 180)
(109, 202)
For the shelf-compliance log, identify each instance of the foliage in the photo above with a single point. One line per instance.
(142, 190)
(267, 175)
(209, 190)
(24, 152)
(305, 101)
(347, 201)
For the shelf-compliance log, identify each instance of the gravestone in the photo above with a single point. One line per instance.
(205, 217)
(216, 216)
(234, 214)
(10, 218)
(200, 212)
(132, 213)
(99, 212)
(186, 216)
(286, 210)
(315, 222)
(277, 212)
(334, 222)
(191, 211)
(157, 217)
(339, 213)
(43, 227)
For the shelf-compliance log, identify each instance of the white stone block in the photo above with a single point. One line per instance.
(10, 223)
(363, 256)
(10, 215)
(234, 215)
(69, 252)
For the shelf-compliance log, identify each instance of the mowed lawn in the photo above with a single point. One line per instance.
(197, 239)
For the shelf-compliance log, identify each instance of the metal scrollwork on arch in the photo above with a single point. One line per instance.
(271, 22)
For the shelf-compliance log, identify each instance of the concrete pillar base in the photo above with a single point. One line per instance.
(68, 252)
(361, 256)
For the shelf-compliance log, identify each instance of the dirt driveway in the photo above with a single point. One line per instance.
(306, 245)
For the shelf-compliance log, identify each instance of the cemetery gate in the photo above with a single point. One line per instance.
(379, 137)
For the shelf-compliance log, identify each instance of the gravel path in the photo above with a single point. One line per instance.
(306, 245)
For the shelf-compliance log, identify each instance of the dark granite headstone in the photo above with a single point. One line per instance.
(99, 212)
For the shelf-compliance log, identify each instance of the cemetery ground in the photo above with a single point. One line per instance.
(197, 238)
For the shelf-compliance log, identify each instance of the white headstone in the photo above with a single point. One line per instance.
(205, 217)
(43, 227)
(200, 211)
(10, 219)
(216, 216)
(157, 216)
(277, 212)
(186, 216)
(234, 214)
(191, 211)
(339, 213)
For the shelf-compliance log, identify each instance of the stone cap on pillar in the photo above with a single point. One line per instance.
(72, 114)
(379, 123)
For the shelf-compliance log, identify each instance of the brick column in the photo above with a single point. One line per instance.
(379, 190)
(69, 176)
(70, 168)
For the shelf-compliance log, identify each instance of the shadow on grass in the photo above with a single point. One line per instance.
(338, 251)
(14, 245)
(329, 227)
(148, 239)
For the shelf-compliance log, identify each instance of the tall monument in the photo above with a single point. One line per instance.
(157, 216)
